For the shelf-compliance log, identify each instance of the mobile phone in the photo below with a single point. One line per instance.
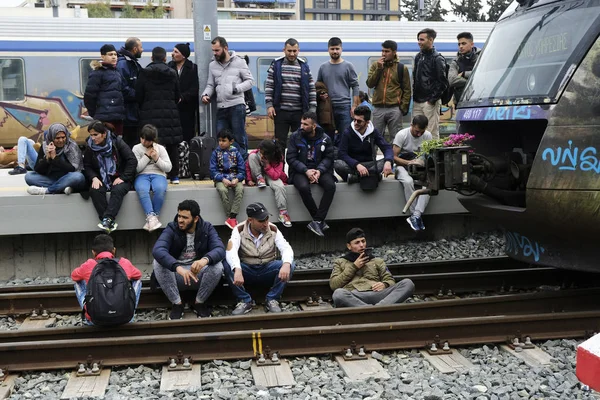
(368, 251)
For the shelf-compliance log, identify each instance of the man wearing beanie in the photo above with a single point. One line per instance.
(103, 95)
(359, 279)
(187, 72)
(229, 77)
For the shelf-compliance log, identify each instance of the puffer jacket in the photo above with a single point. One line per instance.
(157, 92)
(229, 80)
(103, 95)
(297, 153)
(386, 84)
(429, 76)
(129, 68)
(345, 274)
(227, 164)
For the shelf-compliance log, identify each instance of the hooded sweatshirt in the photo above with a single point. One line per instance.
(356, 148)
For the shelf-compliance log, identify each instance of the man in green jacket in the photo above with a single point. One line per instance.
(359, 279)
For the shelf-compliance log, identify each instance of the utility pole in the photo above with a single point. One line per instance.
(54, 5)
(205, 30)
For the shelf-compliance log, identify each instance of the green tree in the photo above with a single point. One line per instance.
(99, 10)
(128, 11)
(468, 10)
(147, 11)
(159, 11)
(497, 7)
(410, 10)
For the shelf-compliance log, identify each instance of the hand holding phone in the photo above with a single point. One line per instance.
(368, 251)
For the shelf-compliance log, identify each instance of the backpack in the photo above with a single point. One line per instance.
(449, 92)
(110, 298)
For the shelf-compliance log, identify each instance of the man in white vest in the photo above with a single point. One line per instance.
(258, 254)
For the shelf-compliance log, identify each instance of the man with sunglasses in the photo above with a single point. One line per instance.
(252, 258)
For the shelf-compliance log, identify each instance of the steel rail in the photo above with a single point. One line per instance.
(54, 354)
(298, 290)
(528, 303)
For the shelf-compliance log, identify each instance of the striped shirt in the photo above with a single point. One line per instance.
(291, 92)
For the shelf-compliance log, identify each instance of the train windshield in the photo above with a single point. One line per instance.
(529, 57)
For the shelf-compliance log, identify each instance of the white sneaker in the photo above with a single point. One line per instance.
(68, 190)
(37, 190)
(153, 223)
(146, 226)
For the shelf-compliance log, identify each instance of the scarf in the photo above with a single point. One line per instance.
(70, 150)
(106, 160)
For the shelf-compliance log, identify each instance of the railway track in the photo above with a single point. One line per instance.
(490, 274)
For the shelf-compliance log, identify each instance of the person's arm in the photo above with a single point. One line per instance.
(246, 76)
(292, 158)
(276, 172)
(287, 254)
(441, 82)
(455, 80)
(164, 162)
(233, 246)
(385, 147)
(82, 273)
(42, 165)
(397, 159)
(385, 275)
(269, 87)
(128, 158)
(343, 150)
(160, 251)
(406, 92)
(142, 159)
(189, 95)
(343, 272)
(312, 93)
(326, 163)
(133, 274)
(140, 84)
(210, 85)
(215, 174)
(90, 96)
(241, 166)
(88, 166)
(62, 164)
(217, 250)
(129, 87)
(352, 81)
(374, 75)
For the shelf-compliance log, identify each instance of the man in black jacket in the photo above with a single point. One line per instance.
(187, 256)
(430, 81)
(187, 72)
(310, 159)
(129, 68)
(157, 92)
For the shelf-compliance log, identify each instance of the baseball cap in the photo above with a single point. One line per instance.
(258, 211)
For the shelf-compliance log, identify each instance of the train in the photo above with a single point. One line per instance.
(45, 62)
(533, 105)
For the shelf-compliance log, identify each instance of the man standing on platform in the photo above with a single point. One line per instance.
(129, 68)
(462, 65)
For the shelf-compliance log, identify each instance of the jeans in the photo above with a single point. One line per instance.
(341, 116)
(158, 184)
(75, 180)
(26, 152)
(81, 291)
(265, 275)
(343, 169)
(109, 209)
(327, 182)
(234, 118)
(284, 122)
(392, 295)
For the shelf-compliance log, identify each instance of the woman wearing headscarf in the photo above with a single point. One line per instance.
(58, 166)
(187, 72)
(109, 166)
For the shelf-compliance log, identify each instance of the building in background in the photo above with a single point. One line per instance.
(348, 10)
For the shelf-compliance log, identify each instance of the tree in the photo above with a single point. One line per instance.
(159, 12)
(467, 10)
(410, 11)
(128, 11)
(497, 7)
(99, 10)
(148, 11)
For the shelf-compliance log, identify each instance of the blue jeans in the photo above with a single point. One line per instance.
(26, 152)
(75, 180)
(341, 116)
(234, 118)
(81, 291)
(158, 184)
(265, 275)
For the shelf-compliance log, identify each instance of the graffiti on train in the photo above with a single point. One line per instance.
(571, 158)
(506, 113)
(521, 245)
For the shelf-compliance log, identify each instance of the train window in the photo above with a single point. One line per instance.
(12, 79)
(84, 69)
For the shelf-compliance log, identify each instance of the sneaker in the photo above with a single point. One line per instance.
(113, 225)
(231, 222)
(68, 190)
(176, 312)
(37, 190)
(242, 308)
(285, 220)
(324, 226)
(260, 182)
(104, 225)
(272, 306)
(414, 223)
(315, 227)
(201, 310)
(153, 223)
(146, 226)
(421, 225)
(175, 180)
(18, 170)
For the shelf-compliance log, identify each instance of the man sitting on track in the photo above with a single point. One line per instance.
(359, 279)
(187, 256)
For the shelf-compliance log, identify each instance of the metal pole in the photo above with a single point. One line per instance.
(205, 30)
(421, 10)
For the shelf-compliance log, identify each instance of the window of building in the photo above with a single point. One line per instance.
(84, 71)
(12, 79)
(330, 4)
(381, 5)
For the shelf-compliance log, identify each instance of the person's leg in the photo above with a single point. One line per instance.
(341, 116)
(342, 169)
(418, 109)
(117, 194)
(209, 278)
(74, 180)
(302, 184)
(173, 152)
(99, 200)
(31, 153)
(137, 289)
(238, 195)
(238, 126)
(282, 128)
(378, 119)
(142, 188)
(397, 293)
(327, 182)
(168, 283)
(223, 119)
(422, 202)
(432, 112)
(294, 118)
(224, 196)
(238, 291)
(159, 186)
(32, 178)
(345, 298)
(394, 123)
(407, 183)
(278, 188)
(255, 167)
(80, 292)
(270, 274)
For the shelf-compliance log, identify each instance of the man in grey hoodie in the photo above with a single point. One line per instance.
(229, 76)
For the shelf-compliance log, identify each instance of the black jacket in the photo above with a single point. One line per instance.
(297, 153)
(172, 241)
(126, 162)
(429, 76)
(188, 106)
(157, 92)
(103, 95)
(55, 168)
(129, 68)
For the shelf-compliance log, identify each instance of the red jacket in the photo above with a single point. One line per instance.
(84, 271)
(274, 171)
